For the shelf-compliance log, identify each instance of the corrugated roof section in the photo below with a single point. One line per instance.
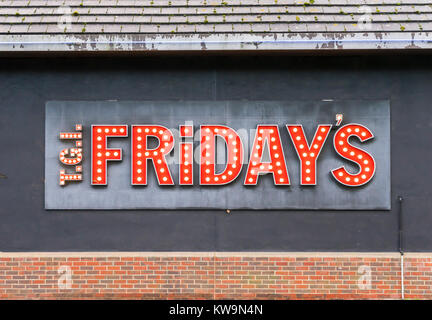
(41, 25)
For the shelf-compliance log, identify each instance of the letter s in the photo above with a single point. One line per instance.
(363, 159)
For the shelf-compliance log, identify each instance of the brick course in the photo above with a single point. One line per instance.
(214, 276)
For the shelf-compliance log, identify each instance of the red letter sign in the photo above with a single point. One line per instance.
(363, 159)
(235, 155)
(267, 134)
(141, 153)
(101, 154)
(186, 157)
(308, 155)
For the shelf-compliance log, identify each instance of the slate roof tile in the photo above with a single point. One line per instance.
(227, 20)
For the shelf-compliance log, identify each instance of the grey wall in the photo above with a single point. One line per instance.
(25, 85)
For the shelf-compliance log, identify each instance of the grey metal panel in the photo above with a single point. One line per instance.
(119, 194)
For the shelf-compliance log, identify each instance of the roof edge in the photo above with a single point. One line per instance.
(282, 42)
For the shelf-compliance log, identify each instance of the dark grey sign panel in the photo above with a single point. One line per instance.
(242, 116)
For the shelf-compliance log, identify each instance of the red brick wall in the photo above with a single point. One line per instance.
(213, 276)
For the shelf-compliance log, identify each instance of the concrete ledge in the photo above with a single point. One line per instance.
(218, 254)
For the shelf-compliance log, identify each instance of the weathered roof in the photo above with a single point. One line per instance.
(122, 25)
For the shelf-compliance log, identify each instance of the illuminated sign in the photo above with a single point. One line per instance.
(267, 137)
(71, 156)
(225, 155)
